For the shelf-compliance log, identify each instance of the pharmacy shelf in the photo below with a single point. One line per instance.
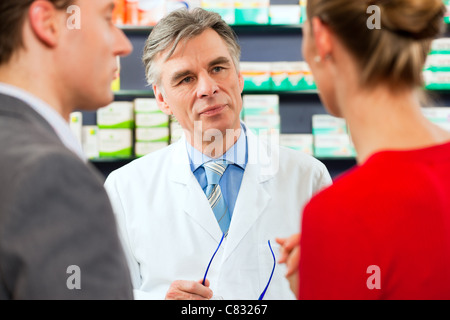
(251, 28)
(103, 160)
(149, 94)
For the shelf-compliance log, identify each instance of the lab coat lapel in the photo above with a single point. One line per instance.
(253, 197)
(193, 199)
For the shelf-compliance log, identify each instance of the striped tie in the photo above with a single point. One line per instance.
(214, 171)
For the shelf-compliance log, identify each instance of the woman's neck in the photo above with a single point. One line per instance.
(383, 119)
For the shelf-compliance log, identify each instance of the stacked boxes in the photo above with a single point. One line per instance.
(303, 14)
(331, 137)
(116, 123)
(284, 14)
(176, 130)
(123, 127)
(438, 115)
(302, 142)
(90, 141)
(248, 12)
(447, 15)
(437, 67)
(152, 127)
(261, 115)
(256, 75)
(225, 8)
(234, 12)
(76, 124)
(277, 76)
(144, 12)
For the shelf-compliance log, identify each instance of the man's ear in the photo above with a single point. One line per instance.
(160, 100)
(45, 21)
(322, 38)
(241, 81)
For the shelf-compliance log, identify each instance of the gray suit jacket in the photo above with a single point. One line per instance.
(58, 235)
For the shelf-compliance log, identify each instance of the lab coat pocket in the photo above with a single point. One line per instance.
(268, 273)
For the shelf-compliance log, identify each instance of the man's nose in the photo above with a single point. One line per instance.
(122, 45)
(206, 86)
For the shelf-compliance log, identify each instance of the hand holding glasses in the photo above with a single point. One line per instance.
(268, 283)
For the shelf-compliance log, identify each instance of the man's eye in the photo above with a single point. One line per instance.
(218, 69)
(186, 80)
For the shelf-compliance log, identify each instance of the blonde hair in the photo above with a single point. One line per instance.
(394, 54)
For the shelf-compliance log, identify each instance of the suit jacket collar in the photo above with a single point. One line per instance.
(49, 115)
(18, 109)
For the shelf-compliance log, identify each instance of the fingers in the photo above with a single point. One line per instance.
(293, 283)
(206, 282)
(189, 290)
(292, 261)
(287, 245)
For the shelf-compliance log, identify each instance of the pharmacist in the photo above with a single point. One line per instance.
(198, 219)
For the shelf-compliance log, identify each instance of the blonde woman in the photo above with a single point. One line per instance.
(382, 230)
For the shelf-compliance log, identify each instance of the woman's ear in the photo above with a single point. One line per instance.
(45, 22)
(322, 38)
(160, 100)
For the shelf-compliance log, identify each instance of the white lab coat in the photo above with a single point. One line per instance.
(169, 231)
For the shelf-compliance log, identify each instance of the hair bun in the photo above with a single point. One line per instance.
(418, 19)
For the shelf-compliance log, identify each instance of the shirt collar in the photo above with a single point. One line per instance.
(61, 127)
(237, 154)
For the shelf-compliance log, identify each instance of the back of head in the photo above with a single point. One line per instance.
(391, 50)
(181, 25)
(12, 17)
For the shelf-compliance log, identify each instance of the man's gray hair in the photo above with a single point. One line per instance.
(183, 24)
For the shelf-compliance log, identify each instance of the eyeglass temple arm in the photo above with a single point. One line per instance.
(207, 269)
(273, 269)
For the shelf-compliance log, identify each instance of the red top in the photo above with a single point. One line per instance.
(381, 231)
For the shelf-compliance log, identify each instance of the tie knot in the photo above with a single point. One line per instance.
(214, 170)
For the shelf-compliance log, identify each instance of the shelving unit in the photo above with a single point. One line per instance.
(296, 107)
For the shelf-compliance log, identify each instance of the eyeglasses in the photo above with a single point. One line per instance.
(271, 274)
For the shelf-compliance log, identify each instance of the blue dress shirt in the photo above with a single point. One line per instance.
(230, 183)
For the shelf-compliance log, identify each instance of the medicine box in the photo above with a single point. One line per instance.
(115, 143)
(438, 115)
(300, 142)
(176, 130)
(144, 148)
(90, 139)
(279, 72)
(263, 124)
(257, 105)
(152, 120)
(76, 124)
(436, 80)
(152, 134)
(333, 145)
(225, 8)
(256, 76)
(284, 14)
(327, 124)
(117, 115)
(251, 12)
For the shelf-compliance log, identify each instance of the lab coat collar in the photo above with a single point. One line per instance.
(261, 155)
(252, 198)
